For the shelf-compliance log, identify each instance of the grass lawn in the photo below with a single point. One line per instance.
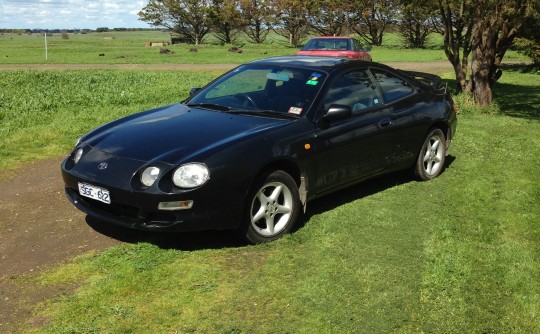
(459, 254)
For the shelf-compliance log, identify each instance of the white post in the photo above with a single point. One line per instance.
(46, 53)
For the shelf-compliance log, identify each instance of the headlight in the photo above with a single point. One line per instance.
(78, 154)
(191, 175)
(149, 176)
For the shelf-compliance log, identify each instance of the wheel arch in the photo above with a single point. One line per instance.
(291, 168)
(445, 128)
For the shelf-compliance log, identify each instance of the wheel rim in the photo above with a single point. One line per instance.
(271, 209)
(434, 154)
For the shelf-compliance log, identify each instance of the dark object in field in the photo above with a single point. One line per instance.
(102, 55)
(235, 49)
(193, 50)
(164, 51)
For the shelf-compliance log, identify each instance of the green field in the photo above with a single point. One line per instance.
(128, 48)
(459, 254)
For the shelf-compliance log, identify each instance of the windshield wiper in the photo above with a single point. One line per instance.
(211, 106)
(265, 112)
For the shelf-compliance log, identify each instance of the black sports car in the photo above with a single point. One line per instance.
(250, 149)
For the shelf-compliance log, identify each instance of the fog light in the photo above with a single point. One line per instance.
(173, 206)
(149, 176)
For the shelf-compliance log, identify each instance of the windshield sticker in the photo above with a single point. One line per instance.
(313, 79)
(295, 110)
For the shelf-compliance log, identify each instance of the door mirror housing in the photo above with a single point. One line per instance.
(336, 112)
(194, 91)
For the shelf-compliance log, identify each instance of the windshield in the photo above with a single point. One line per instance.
(284, 90)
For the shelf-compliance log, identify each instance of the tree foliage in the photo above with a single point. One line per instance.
(259, 18)
(370, 18)
(416, 22)
(328, 17)
(188, 18)
(225, 20)
(528, 41)
(291, 20)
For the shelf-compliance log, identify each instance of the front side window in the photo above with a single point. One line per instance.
(354, 89)
(393, 87)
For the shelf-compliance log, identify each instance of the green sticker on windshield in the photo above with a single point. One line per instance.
(312, 82)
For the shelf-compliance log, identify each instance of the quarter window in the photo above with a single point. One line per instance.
(354, 89)
(393, 87)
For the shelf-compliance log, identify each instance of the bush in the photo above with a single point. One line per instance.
(529, 48)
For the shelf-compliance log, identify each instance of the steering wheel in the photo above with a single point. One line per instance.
(246, 100)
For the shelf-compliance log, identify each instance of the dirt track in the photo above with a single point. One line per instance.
(436, 67)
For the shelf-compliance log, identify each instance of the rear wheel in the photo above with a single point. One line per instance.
(430, 162)
(273, 207)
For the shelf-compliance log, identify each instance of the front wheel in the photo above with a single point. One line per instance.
(431, 159)
(273, 207)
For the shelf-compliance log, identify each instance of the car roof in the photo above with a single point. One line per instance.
(314, 62)
(333, 37)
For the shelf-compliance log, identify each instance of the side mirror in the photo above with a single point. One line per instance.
(336, 112)
(194, 91)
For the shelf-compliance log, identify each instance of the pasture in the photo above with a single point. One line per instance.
(128, 48)
(459, 254)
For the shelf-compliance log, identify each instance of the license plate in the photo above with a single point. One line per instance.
(93, 192)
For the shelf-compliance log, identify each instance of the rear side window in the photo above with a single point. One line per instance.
(354, 89)
(393, 87)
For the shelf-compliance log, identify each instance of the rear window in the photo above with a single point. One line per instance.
(327, 44)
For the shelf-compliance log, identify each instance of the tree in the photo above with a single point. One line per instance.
(258, 16)
(370, 18)
(187, 18)
(483, 30)
(291, 20)
(225, 20)
(328, 17)
(455, 24)
(416, 22)
(495, 26)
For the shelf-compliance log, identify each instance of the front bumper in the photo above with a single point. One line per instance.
(215, 206)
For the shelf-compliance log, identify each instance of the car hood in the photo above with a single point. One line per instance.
(176, 133)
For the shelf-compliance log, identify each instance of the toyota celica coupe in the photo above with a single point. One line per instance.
(253, 147)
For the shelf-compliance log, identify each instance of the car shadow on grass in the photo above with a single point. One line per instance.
(190, 241)
(186, 241)
(361, 190)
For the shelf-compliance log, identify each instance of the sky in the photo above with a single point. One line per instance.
(70, 14)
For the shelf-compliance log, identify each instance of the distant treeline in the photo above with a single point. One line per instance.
(73, 31)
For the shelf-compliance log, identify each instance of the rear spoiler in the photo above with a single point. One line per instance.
(430, 80)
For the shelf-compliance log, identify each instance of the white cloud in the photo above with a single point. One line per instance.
(69, 14)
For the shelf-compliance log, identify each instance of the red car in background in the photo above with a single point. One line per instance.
(334, 46)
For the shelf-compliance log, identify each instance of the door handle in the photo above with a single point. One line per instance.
(385, 123)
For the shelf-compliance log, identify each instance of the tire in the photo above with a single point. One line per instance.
(430, 161)
(272, 208)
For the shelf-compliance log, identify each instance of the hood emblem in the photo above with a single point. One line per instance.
(103, 166)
